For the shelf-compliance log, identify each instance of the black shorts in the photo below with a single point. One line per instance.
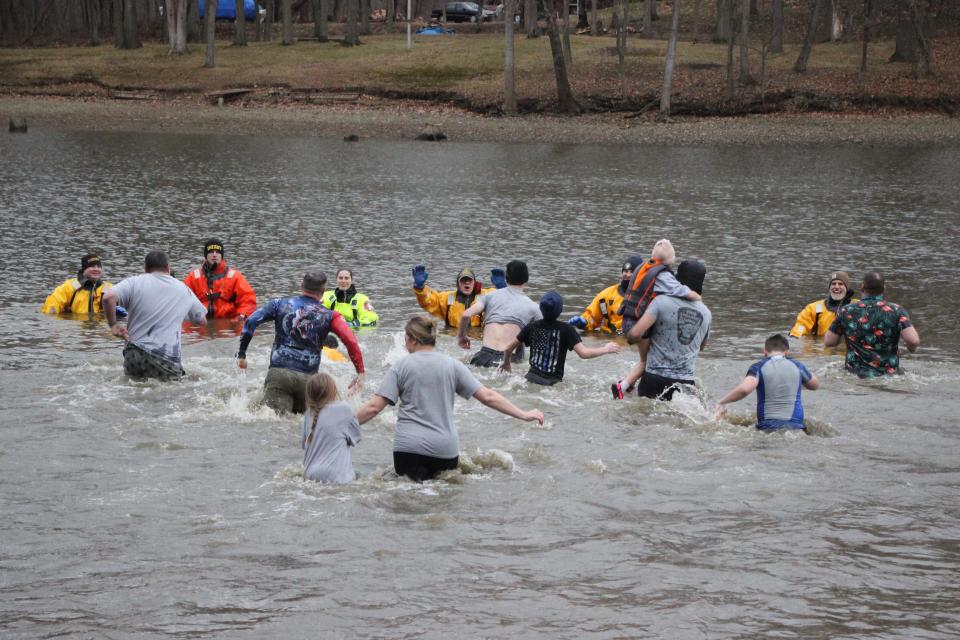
(419, 467)
(536, 378)
(488, 357)
(659, 388)
(140, 365)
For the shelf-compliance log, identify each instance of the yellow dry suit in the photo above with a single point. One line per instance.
(76, 295)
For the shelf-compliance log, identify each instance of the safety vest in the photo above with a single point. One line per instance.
(640, 292)
(212, 295)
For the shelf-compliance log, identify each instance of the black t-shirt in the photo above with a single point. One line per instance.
(549, 341)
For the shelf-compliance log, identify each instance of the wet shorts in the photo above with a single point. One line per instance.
(140, 365)
(284, 390)
(536, 378)
(488, 357)
(653, 386)
(419, 467)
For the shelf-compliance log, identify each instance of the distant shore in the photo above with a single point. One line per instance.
(380, 119)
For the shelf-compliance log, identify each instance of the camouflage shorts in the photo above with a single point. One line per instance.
(140, 365)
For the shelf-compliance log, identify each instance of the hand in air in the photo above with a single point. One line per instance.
(419, 276)
(498, 277)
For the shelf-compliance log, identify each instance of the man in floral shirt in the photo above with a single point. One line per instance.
(872, 329)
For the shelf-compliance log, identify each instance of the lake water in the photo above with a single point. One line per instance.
(144, 510)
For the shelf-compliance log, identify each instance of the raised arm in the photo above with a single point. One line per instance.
(494, 400)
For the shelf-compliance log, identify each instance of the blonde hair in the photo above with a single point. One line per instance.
(663, 251)
(422, 330)
(321, 390)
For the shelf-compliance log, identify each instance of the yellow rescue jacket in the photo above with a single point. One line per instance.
(602, 314)
(72, 297)
(815, 319)
(356, 309)
(446, 305)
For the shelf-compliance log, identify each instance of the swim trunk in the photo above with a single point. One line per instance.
(419, 467)
(488, 357)
(657, 387)
(536, 378)
(284, 390)
(777, 425)
(140, 365)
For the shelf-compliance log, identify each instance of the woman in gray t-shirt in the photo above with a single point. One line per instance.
(424, 384)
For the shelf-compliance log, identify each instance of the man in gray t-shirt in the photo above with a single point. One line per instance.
(157, 304)
(505, 312)
(679, 331)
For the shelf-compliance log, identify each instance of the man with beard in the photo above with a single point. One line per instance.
(301, 326)
(603, 314)
(816, 317)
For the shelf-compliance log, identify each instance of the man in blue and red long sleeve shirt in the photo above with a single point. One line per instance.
(302, 325)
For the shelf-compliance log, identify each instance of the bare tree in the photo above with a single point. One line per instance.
(270, 10)
(565, 100)
(176, 15)
(239, 25)
(351, 38)
(669, 62)
(776, 28)
(210, 30)
(745, 78)
(509, 64)
(365, 17)
(287, 9)
(594, 25)
(648, 19)
(800, 66)
(867, 24)
(917, 18)
(125, 27)
(724, 22)
(730, 42)
(530, 19)
(565, 33)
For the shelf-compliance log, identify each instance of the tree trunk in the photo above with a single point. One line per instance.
(745, 78)
(210, 30)
(365, 17)
(648, 19)
(867, 23)
(730, 41)
(836, 21)
(565, 34)
(724, 23)
(582, 22)
(287, 10)
(669, 62)
(391, 13)
(270, 7)
(800, 66)
(594, 25)
(351, 38)
(95, 17)
(917, 18)
(696, 21)
(176, 15)
(323, 29)
(315, 9)
(776, 29)
(565, 100)
(129, 32)
(530, 19)
(239, 26)
(509, 65)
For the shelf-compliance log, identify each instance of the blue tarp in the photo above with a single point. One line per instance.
(227, 9)
(434, 31)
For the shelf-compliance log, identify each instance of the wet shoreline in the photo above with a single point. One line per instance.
(380, 119)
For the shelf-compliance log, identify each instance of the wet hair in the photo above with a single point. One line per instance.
(422, 330)
(156, 261)
(692, 272)
(776, 344)
(321, 390)
(873, 283)
(314, 281)
(517, 272)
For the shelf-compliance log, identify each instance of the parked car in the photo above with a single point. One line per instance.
(463, 12)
